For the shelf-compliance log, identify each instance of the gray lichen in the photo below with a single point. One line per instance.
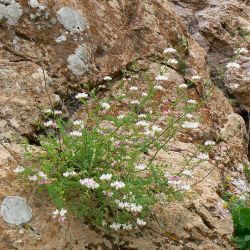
(11, 12)
(15, 210)
(78, 62)
(71, 20)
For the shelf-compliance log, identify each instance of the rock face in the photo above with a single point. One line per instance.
(237, 82)
(220, 27)
(50, 49)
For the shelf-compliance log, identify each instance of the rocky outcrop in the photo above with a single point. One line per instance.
(237, 83)
(216, 25)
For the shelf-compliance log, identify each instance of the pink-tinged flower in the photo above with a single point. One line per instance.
(89, 183)
(108, 193)
(59, 214)
(169, 50)
(51, 124)
(117, 184)
(141, 167)
(174, 180)
(202, 156)
(33, 178)
(44, 182)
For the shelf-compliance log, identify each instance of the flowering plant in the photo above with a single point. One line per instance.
(103, 167)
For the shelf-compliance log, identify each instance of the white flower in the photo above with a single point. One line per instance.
(209, 143)
(144, 94)
(161, 78)
(191, 101)
(47, 111)
(42, 174)
(133, 88)
(120, 117)
(66, 174)
(195, 78)
(202, 156)
(33, 178)
(58, 112)
(187, 173)
(142, 116)
(158, 87)
(105, 177)
(156, 128)
(108, 193)
(89, 183)
(232, 65)
(55, 213)
(107, 78)
(76, 133)
(117, 184)
(69, 173)
(60, 213)
(81, 95)
(191, 125)
(172, 61)
(19, 169)
(123, 205)
(136, 102)
(183, 186)
(105, 105)
(127, 226)
(134, 208)
(241, 51)
(140, 222)
(183, 86)
(50, 123)
(235, 86)
(141, 166)
(78, 123)
(115, 226)
(169, 50)
(142, 123)
(63, 212)
(189, 116)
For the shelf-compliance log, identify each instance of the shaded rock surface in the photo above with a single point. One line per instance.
(100, 38)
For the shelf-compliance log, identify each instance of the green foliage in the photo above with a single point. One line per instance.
(241, 218)
(104, 167)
